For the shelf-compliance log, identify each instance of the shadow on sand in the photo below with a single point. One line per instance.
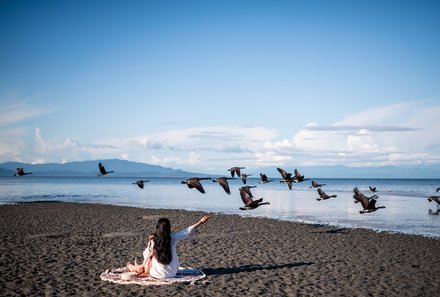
(251, 268)
(332, 231)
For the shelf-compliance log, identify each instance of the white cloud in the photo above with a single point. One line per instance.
(405, 133)
(373, 137)
(20, 111)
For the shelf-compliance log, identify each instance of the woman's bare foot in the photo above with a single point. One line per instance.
(135, 267)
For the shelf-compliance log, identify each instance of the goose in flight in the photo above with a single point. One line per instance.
(323, 195)
(244, 177)
(20, 172)
(102, 170)
(249, 203)
(372, 189)
(223, 182)
(235, 170)
(140, 183)
(438, 189)
(298, 177)
(368, 203)
(286, 177)
(316, 185)
(194, 182)
(264, 179)
(436, 199)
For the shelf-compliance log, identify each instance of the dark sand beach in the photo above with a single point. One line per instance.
(60, 249)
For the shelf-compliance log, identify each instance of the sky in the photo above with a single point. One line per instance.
(206, 85)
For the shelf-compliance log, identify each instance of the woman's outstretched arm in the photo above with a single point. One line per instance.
(203, 220)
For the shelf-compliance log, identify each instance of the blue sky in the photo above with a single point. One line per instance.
(203, 85)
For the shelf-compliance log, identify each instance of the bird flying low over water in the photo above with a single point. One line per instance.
(323, 195)
(194, 182)
(244, 177)
(372, 189)
(316, 185)
(368, 203)
(20, 172)
(264, 179)
(436, 199)
(438, 189)
(140, 183)
(298, 177)
(249, 203)
(102, 170)
(223, 182)
(286, 177)
(235, 170)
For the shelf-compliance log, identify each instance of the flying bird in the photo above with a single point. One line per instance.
(223, 182)
(323, 195)
(368, 203)
(298, 177)
(316, 185)
(244, 177)
(194, 182)
(436, 199)
(102, 170)
(286, 177)
(372, 190)
(264, 179)
(235, 170)
(438, 189)
(140, 183)
(249, 203)
(20, 172)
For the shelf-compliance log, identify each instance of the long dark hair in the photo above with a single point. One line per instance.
(162, 241)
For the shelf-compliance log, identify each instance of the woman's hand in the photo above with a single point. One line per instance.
(204, 219)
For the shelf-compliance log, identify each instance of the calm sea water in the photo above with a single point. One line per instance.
(405, 200)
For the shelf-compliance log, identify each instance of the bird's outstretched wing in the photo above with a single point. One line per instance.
(245, 197)
(225, 185)
(101, 168)
(435, 198)
(283, 173)
(247, 189)
(361, 198)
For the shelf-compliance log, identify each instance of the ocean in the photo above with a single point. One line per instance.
(407, 207)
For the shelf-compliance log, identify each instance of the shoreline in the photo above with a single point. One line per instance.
(60, 248)
(243, 215)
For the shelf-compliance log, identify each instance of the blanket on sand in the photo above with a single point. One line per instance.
(124, 276)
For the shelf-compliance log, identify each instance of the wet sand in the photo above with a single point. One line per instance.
(60, 249)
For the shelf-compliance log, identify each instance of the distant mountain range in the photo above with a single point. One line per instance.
(123, 168)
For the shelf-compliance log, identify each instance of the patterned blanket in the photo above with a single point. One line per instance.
(186, 275)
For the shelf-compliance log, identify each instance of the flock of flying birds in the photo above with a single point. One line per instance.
(368, 203)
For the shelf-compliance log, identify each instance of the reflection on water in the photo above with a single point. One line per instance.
(405, 200)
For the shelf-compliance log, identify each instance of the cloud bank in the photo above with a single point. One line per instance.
(400, 134)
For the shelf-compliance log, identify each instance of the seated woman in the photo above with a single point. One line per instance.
(160, 257)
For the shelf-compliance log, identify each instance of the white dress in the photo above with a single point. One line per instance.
(159, 270)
